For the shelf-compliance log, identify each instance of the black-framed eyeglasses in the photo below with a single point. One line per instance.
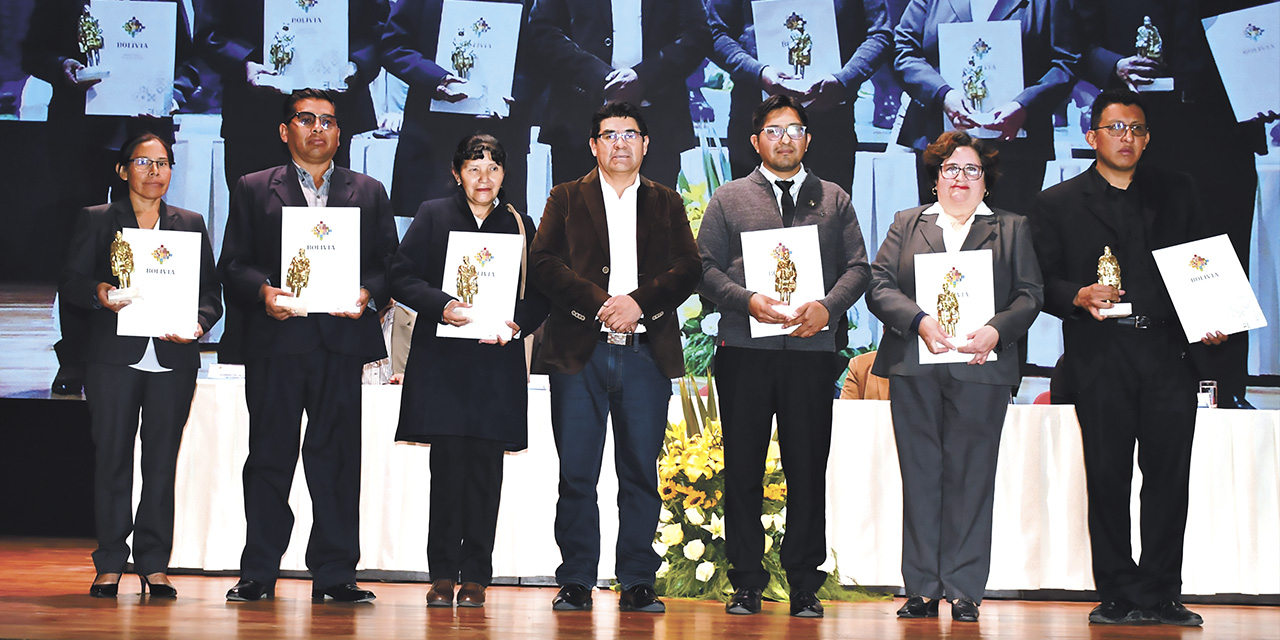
(970, 171)
(308, 119)
(793, 131)
(145, 164)
(630, 135)
(1117, 129)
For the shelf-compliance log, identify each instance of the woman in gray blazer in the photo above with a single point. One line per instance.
(947, 417)
(128, 376)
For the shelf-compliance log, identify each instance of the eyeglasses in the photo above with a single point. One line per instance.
(952, 171)
(308, 119)
(145, 164)
(793, 131)
(630, 135)
(1117, 129)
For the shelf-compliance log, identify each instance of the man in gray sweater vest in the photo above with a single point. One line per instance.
(788, 375)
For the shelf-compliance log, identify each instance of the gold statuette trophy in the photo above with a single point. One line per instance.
(1109, 274)
(89, 37)
(122, 268)
(295, 281)
(784, 276)
(948, 309)
(1148, 44)
(468, 282)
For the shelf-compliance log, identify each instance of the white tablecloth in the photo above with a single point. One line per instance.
(1040, 537)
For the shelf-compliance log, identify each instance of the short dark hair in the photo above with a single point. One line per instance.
(947, 143)
(474, 146)
(291, 102)
(773, 103)
(617, 109)
(126, 151)
(1110, 97)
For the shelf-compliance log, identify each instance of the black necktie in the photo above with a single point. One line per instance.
(788, 203)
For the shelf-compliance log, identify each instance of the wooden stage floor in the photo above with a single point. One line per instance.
(44, 585)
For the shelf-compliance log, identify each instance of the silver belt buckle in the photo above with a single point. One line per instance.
(621, 339)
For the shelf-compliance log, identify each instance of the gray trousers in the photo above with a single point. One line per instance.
(948, 437)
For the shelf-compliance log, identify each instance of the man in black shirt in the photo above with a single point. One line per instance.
(1131, 378)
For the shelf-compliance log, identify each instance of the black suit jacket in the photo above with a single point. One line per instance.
(251, 257)
(1071, 226)
(569, 263)
(1048, 64)
(89, 264)
(1019, 291)
(574, 43)
(229, 33)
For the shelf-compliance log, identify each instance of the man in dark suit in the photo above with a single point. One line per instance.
(616, 257)
(788, 376)
(865, 43)
(1131, 377)
(1048, 62)
(229, 34)
(655, 50)
(296, 363)
(87, 145)
(1221, 164)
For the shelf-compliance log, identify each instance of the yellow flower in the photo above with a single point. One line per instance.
(694, 549)
(768, 543)
(695, 463)
(671, 534)
(775, 492)
(691, 308)
(665, 515)
(715, 461)
(773, 459)
(716, 527)
(705, 571)
(693, 497)
(667, 490)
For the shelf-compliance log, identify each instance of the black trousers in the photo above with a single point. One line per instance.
(1146, 395)
(755, 385)
(116, 395)
(466, 486)
(277, 390)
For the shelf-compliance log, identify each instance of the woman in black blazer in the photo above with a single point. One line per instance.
(468, 399)
(128, 375)
(947, 418)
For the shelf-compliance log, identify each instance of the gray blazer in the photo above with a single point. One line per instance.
(749, 204)
(1019, 291)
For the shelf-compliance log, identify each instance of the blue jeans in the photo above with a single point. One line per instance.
(623, 381)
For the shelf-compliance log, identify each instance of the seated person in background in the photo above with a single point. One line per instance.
(397, 332)
(860, 383)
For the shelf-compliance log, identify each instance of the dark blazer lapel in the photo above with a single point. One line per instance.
(931, 232)
(593, 196)
(125, 217)
(646, 216)
(339, 188)
(1150, 193)
(285, 186)
(764, 183)
(983, 229)
(961, 9)
(168, 218)
(1091, 198)
(1003, 8)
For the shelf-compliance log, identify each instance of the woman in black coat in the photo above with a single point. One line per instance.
(127, 375)
(468, 399)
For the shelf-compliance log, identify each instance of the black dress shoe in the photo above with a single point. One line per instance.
(1172, 612)
(964, 610)
(345, 592)
(919, 607)
(104, 589)
(744, 602)
(641, 598)
(250, 591)
(1119, 611)
(158, 589)
(572, 597)
(805, 604)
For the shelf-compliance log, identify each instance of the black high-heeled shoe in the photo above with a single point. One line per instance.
(105, 589)
(158, 590)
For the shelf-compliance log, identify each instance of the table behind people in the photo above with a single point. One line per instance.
(409, 43)
(310, 363)
(655, 50)
(229, 36)
(865, 44)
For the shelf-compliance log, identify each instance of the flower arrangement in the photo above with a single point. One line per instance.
(691, 527)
